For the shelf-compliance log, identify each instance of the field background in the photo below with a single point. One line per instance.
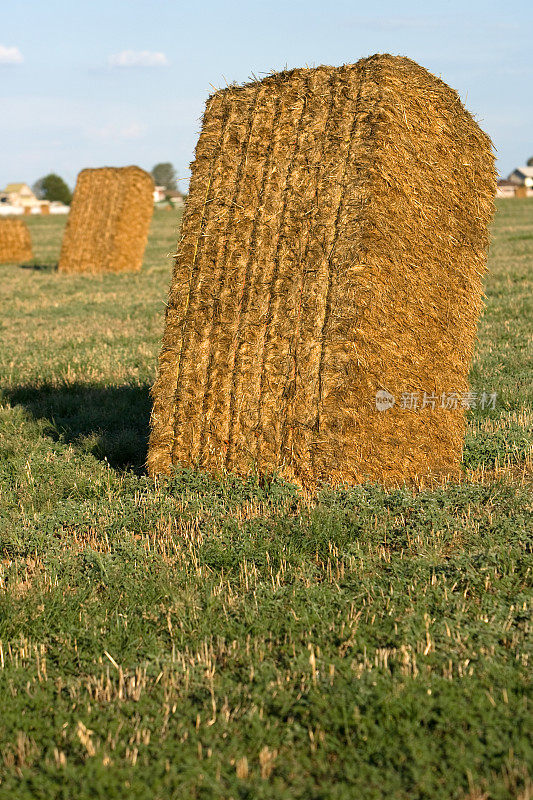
(224, 639)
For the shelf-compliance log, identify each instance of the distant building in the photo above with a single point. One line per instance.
(522, 176)
(505, 188)
(160, 193)
(176, 198)
(508, 188)
(7, 210)
(58, 208)
(18, 198)
(166, 196)
(19, 195)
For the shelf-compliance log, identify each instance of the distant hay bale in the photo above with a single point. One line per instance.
(107, 227)
(333, 247)
(520, 191)
(15, 241)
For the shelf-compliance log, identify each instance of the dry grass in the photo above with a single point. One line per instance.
(333, 245)
(107, 228)
(191, 637)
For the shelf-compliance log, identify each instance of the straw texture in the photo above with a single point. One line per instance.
(107, 227)
(15, 241)
(333, 245)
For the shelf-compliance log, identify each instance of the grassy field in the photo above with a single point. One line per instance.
(195, 638)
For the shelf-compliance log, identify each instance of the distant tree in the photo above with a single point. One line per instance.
(165, 175)
(37, 189)
(530, 162)
(52, 187)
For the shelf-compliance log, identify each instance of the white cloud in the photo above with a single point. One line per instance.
(138, 58)
(10, 55)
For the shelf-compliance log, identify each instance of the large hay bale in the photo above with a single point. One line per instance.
(107, 227)
(15, 241)
(333, 246)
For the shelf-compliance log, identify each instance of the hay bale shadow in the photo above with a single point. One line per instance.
(40, 267)
(111, 422)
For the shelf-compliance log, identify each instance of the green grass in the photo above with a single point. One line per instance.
(194, 638)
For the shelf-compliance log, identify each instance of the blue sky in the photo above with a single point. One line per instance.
(88, 83)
